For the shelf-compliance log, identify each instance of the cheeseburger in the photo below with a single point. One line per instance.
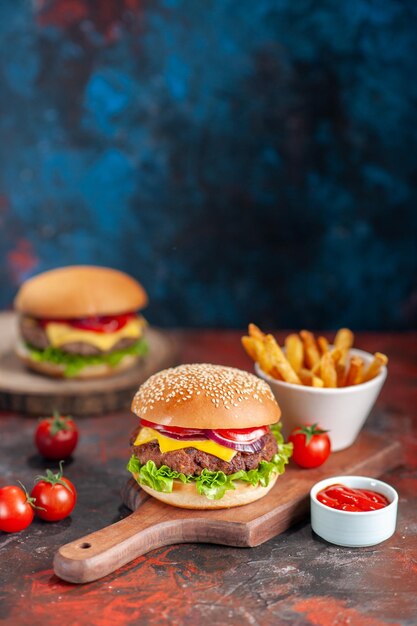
(80, 322)
(208, 437)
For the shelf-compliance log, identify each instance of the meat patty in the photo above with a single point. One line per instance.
(192, 461)
(34, 334)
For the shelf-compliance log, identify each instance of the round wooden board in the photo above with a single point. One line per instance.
(25, 391)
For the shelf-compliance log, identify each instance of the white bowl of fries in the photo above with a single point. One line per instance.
(313, 381)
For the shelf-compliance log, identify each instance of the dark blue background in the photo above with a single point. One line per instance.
(244, 160)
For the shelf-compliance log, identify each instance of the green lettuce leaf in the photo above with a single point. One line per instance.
(134, 465)
(159, 479)
(214, 485)
(74, 363)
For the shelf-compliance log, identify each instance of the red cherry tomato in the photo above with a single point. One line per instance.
(311, 446)
(55, 496)
(16, 509)
(56, 437)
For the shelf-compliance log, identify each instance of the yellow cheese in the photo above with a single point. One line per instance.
(166, 444)
(59, 334)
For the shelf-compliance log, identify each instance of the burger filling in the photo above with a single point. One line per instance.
(79, 343)
(159, 457)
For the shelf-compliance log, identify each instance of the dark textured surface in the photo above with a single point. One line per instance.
(248, 160)
(293, 579)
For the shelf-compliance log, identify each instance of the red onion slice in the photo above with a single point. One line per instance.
(242, 435)
(253, 446)
(190, 434)
(180, 434)
(193, 436)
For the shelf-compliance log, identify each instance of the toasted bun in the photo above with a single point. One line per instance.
(80, 291)
(187, 497)
(55, 370)
(206, 396)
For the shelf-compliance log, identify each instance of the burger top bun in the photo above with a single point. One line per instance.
(206, 396)
(80, 291)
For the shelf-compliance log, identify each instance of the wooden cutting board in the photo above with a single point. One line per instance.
(154, 524)
(28, 392)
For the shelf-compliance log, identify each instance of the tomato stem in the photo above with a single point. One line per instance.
(29, 499)
(309, 431)
(54, 479)
(59, 422)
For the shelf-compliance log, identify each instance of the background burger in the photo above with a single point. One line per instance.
(81, 322)
(208, 437)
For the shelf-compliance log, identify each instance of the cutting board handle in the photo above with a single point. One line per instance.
(105, 550)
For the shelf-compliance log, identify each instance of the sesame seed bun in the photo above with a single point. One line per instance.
(80, 291)
(186, 496)
(206, 396)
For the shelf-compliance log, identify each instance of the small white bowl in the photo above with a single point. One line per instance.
(342, 411)
(350, 529)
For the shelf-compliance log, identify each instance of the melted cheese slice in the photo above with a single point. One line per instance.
(59, 334)
(166, 444)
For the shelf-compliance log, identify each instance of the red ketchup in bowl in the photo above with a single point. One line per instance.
(349, 499)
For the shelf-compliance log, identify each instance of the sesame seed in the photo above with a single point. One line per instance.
(224, 386)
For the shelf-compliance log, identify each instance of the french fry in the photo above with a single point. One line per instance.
(328, 370)
(375, 367)
(339, 359)
(335, 354)
(340, 373)
(294, 351)
(311, 353)
(323, 345)
(255, 348)
(311, 362)
(251, 347)
(317, 382)
(354, 373)
(275, 373)
(308, 378)
(286, 373)
(316, 368)
(344, 353)
(255, 332)
(344, 339)
(279, 360)
(265, 358)
(273, 348)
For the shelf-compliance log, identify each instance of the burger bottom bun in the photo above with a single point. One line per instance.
(186, 496)
(55, 370)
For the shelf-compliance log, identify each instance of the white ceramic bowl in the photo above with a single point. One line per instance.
(354, 530)
(341, 411)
